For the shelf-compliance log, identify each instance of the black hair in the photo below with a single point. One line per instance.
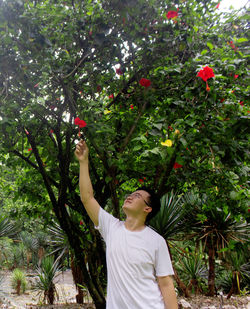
(154, 202)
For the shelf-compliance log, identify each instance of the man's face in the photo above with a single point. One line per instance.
(136, 203)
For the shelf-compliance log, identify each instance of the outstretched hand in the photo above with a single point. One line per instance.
(82, 151)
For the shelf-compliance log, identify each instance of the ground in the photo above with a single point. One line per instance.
(66, 290)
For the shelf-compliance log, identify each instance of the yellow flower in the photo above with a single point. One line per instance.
(167, 143)
(107, 111)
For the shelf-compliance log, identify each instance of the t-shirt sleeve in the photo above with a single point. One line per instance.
(163, 266)
(105, 223)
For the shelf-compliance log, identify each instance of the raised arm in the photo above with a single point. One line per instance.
(86, 190)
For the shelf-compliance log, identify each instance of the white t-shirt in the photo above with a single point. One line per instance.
(134, 260)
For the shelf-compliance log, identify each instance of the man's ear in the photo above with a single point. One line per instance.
(148, 209)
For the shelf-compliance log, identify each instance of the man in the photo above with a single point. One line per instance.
(138, 262)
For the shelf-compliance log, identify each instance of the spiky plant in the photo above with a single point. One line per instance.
(18, 255)
(58, 241)
(169, 222)
(239, 269)
(170, 219)
(30, 244)
(193, 269)
(214, 228)
(18, 281)
(47, 273)
(7, 228)
(6, 245)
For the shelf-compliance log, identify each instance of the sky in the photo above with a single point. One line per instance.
(237, 4)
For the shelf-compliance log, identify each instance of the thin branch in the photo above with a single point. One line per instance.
(33, 165)
(131, 131)
(77, 66)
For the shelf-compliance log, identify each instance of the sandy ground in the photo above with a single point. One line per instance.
(64, 285)
(66, 290)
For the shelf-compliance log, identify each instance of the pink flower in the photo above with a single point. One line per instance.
(236, 76)
(177, 165)
(172, 14)
(241, 103)
(29, 149)
(217, 6)
(36, 85)
(206, 73)
(145, 82)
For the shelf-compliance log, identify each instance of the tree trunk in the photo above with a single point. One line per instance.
(18, 287)
(181, 285)
(78, 279)
(51, 294)
(88, 278)
(235, 289)
(211, 268)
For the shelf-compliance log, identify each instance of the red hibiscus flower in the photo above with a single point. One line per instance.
(119, 71)
(172, 14)
(222, 100)
(206, 73)
(131, 106)
(111, 96)
(236, 76)
(177, 165)
(241, 103)
(29, 149)
(145, 82)
(141, 180)
(80, 123)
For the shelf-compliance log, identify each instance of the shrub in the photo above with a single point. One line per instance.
(18, 281)
(47, 273)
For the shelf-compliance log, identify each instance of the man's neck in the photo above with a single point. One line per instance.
(134, 224)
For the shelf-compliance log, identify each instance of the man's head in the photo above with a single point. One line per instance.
(142, 202)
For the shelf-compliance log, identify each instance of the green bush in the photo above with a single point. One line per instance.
(47, 273)
(18, 281)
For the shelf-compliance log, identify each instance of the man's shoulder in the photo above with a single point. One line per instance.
(155, 235)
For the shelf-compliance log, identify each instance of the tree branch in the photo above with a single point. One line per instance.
(126, 140)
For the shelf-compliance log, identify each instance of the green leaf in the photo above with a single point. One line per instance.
(241, 40)
(204, 52)
(210, 45)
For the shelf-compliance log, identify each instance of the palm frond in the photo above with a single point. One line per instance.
(170, 219)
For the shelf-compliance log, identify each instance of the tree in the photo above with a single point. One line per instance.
(215, 228)
(86, 59)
